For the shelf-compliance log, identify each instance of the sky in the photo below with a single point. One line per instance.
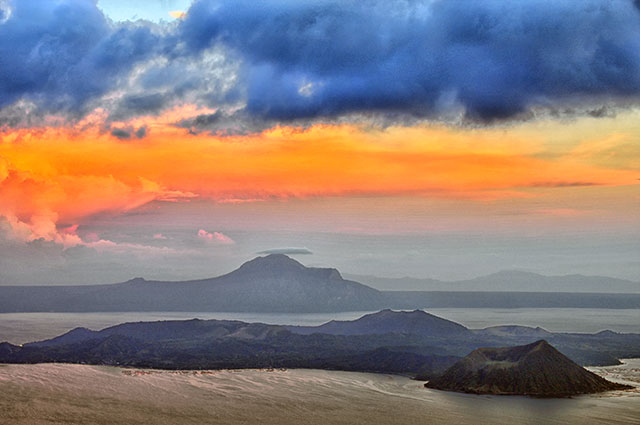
(445, 139)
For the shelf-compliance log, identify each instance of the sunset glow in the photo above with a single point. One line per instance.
(57, 177)
(174, 113)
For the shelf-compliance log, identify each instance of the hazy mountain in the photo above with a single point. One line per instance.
(400, 283)
(514, 331)
(484, 299)
(277, 283)
(274, 283)
(506, 281)
(415, 322)
(169, 330)
(535, 369)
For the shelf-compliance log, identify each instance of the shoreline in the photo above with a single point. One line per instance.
(154, 370)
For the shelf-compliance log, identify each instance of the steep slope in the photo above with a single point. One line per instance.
(286, 285)
(535, 369)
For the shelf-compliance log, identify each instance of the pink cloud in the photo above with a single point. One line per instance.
(159, 236)
(91, 237)
(215, 237)
(70, 230)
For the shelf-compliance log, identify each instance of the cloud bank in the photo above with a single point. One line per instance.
(286, 251)
(284, 61)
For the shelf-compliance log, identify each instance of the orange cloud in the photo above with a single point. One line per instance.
(562, 212)
(177, 14)
(55, 177)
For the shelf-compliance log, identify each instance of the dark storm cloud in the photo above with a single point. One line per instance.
(601, 112)
(494, 59)
(127, 133)
(140, 104)
(141, 132)
(264, 62)
(227, 123)
(121, 133)
(63, 54)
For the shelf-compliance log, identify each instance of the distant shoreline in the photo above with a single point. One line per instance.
(21, 328)
(397, 300)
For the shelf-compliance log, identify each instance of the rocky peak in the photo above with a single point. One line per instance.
(272, 263)
(536, 369)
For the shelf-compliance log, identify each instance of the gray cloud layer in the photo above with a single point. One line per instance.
(492, 58)
(286, 60)
(286, 251)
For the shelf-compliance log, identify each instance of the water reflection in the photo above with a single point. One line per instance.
(46, 393)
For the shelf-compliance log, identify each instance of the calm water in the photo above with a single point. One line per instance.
(78, 394)
(19, 328)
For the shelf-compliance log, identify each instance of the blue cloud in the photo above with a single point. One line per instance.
(323, 59)
(62, 54)
(494, 59)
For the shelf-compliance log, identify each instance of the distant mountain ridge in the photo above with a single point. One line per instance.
(273, 283)
(415, 322)
(407, 342)
(506, 281)
(536, 369)
(277, 284)
(197, 344)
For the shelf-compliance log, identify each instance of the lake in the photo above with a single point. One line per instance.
(81, 394)
(19, 328)
(78, 394)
